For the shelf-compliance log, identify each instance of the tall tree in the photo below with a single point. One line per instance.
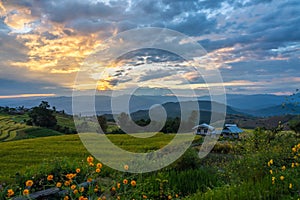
(43, 116)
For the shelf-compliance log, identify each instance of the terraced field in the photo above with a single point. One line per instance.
(12, 130)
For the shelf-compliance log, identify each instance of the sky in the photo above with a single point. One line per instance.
(255, 44)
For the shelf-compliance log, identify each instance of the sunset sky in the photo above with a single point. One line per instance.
(254, 43)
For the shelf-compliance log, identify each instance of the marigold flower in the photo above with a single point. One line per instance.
(91, 164)
(294, 149)
(293, 165)
(291, 186)
(73, 187)
(282, 178)
(169, 197)
(98, 170)
(118, 185)
(66, 198)
(271, 162)
(67, 183)
(89, 159)
(145, 197)
(81, 198)
(96, 190)
(283, 168)
(26, 192)
(273, 178)
(89, 180)
(133, 183)
(58, 184)
(50, 177)
(10, 192)
(176, 195)
(75, 191)
(113, 189)
(118, 197)
(81, 189)
(29, 183)
(298, 146)
(99, 165)
(77, 170)
(271, 171)
(126, 167)
(125, 181)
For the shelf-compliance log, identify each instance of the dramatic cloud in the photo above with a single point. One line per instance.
(254, 43)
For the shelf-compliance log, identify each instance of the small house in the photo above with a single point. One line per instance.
(204, 129)
(231, 131)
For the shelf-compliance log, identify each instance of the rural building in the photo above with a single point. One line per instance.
(231, 131)
(204, 129)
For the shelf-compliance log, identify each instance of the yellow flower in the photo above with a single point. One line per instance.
(133, 183)
(271, 172)
(91, 164)
(283, 168)
(169, 197)
(125, 181)
(70, 176)
(118, 185)
(89, 159)
(29, 183)
(75, 191)
(98, 170)
(294, 149)
(73, 187)
(291, 186)
(293, 165)
(26, 192)
(298, 146)
(126, 167)
(10, 192)
(273, 178)
(176, 195)
(81, 189)
(99, 165)
(77, 170)
(271, 161)
(282, 178)
(96, 190)
(145, 197)
(66, 198)
(50, 177)
(297, 164)
(118, 197)
(58, 184)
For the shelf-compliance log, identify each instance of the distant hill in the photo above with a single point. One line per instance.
(276, 110)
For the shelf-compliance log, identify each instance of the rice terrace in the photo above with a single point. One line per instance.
(149, 99)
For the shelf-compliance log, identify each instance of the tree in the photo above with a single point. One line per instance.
(43, 116)
(103, 123)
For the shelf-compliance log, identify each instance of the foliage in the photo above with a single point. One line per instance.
(42, 116)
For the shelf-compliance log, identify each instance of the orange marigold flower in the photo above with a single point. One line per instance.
(73, 187)
(75, 191)
(91, 164)
(66, 198)
(98, 170)
(29, 183)
(99, 165)
(176, 195)
(96, 190)
(81, 189)
(294, 149)
(113, 189)
(125, 181)
(67, 183)
(81, 198)
(26, 192)
(169, 197)
(145, 197)
(89, 159)
(10, 193)
(133, 183)
(118, 185)
(58, 184)
(89, 180)
(50, 177)
(126, 167)
(77, 170)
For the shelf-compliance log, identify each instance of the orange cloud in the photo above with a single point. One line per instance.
(26, 96)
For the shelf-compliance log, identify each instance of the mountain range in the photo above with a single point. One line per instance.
(261, 105)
